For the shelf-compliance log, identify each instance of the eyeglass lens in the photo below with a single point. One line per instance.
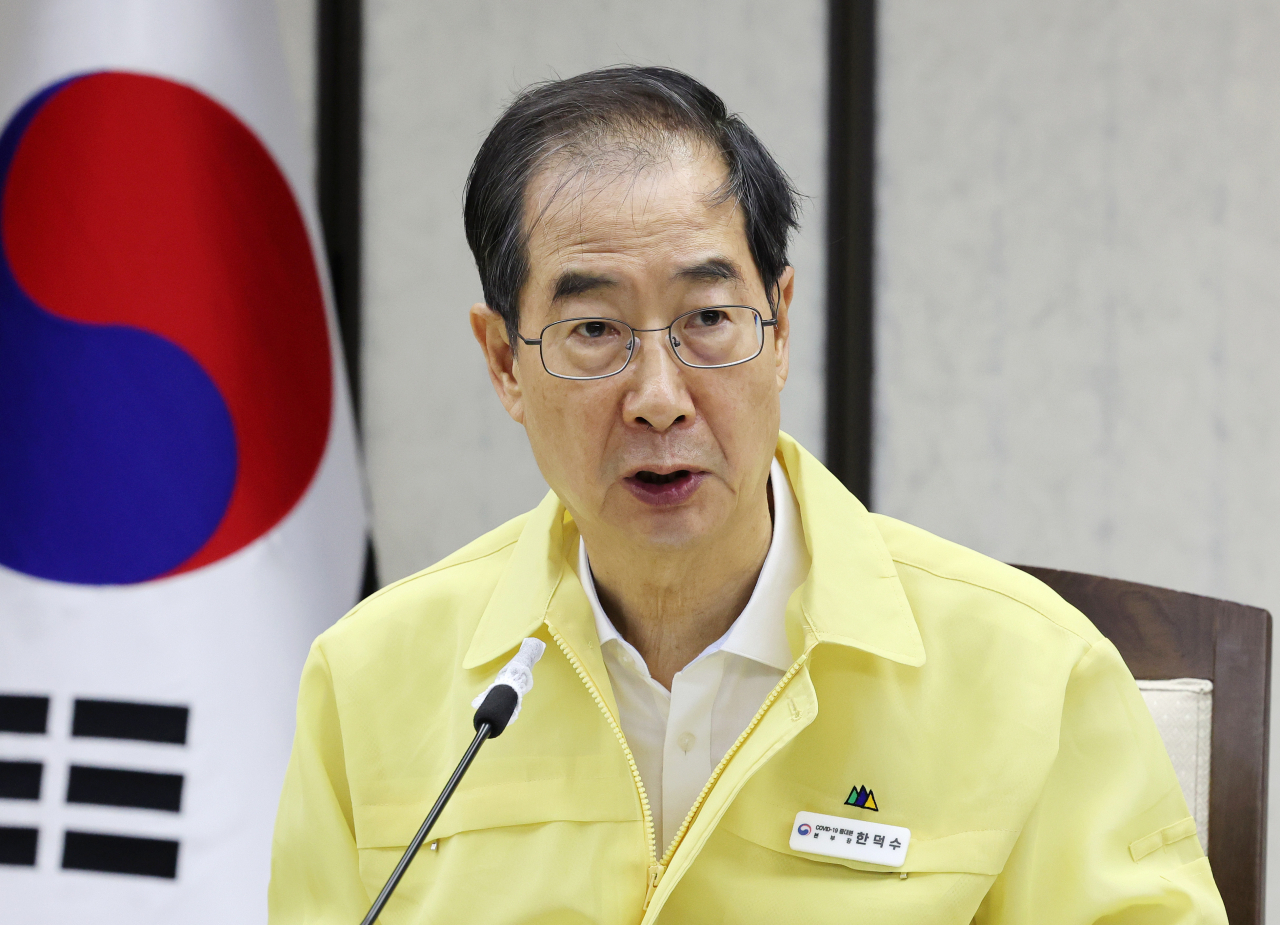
(590, 348)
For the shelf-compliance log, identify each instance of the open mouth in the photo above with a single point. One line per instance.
(664, 488)
(659, 478)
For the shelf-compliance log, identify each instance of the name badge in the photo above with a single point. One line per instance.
(851, 839)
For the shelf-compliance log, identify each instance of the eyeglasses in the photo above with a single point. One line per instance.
(705, 338)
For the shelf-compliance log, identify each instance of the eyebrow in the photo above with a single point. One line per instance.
(714, 270)
(574, 283)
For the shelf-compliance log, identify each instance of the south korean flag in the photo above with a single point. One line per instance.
(180, 502)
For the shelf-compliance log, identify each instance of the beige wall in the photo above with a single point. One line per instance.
(445, 462)
(298, 35)
(1079, 289)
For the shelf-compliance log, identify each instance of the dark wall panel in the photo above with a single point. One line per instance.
(851, 242)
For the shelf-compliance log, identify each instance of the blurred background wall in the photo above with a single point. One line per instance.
(1079, 285)
(1078, 265)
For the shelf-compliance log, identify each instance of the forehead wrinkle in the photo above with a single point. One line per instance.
(575, 224)
(577, 230)
(608, 155)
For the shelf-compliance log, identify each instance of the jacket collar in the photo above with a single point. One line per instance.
(520, 601)
(851, 597)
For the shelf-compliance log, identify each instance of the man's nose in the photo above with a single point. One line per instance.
(657, 395)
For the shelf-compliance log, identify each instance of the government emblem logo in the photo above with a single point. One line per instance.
(862, 798)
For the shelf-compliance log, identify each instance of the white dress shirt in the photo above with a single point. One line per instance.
(679, 736)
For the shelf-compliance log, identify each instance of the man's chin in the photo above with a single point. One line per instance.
(667, 528)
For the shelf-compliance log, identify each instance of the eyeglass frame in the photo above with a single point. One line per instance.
(537, 341)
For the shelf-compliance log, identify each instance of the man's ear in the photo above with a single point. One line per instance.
(490, 331)
(782, 330)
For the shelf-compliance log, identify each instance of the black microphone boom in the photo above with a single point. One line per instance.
(496, 711)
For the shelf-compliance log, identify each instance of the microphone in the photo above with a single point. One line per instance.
(497, 707)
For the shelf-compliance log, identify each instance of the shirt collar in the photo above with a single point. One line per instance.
(760, 632)
(852, 595)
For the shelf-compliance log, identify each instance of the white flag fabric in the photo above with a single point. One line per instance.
(180, 501)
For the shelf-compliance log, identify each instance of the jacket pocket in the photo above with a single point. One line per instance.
(525, 840)
(388, 813)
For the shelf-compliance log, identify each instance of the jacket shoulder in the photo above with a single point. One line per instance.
(935, 560)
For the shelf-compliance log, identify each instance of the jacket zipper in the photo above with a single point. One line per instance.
(654, 874)
(715, 775)
(658, 867)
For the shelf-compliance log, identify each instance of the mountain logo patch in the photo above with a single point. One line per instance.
(862, 798)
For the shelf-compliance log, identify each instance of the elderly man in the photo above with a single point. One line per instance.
(760, 703)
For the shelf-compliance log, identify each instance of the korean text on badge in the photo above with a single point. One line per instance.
(851, 839)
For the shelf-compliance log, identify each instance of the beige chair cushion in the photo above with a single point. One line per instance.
(1183, 711)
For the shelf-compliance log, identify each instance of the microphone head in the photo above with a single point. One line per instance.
(496, 709)
(499, 703)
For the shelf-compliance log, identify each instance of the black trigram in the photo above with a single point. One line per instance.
(89, 785)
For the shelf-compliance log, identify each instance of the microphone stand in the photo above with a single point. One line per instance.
(491, 719)
(482, 734)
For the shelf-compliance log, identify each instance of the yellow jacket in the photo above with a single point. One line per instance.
(981, 711)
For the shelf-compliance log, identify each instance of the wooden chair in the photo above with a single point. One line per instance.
(1168, 634)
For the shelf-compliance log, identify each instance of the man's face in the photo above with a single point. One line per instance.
(661, 454)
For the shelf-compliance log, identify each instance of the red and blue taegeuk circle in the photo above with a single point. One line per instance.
(165, 367)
